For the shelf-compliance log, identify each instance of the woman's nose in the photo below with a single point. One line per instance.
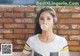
(45, 21)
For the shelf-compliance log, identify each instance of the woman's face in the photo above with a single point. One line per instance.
(46, 19)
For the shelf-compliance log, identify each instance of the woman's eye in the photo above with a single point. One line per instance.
(48, 19)
(41, 18)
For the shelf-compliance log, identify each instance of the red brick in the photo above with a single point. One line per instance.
(75, 26)
(24, 20)
(9, 9)
(60, 26)
(0, 14)
(69, 9)
(74, 48)
(30, 25)
(5, 41)
(13, 14)
(28, 35)
(30, 31)
(20, 30)
(14, 25)
(1, 26)
(6, 31)
(63, 15)
(73, 42)
(24, 9)
(75, 37)
(38, 8)
(1, 35)
(4, 9)
(55, 8)
(64, 9)
(69, 21)
(76, 15)
(6, 20)
(30, 15)
(18, 46)
(68, 31)
(10, 36)
(19, 41)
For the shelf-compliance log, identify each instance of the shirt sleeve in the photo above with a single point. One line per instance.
(27, 48)
(65, 49)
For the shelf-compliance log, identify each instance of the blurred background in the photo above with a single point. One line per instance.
(17, 24)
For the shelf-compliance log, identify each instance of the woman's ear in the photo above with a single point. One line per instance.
(54, 21)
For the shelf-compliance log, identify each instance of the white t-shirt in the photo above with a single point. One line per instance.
(58, 47)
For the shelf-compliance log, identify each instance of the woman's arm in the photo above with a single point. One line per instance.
(23, 54)
(27, 48)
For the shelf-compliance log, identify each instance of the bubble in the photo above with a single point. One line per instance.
(44, 27)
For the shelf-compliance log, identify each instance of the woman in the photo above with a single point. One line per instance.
(45, 42)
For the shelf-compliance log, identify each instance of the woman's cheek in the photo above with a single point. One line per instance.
(50, 25)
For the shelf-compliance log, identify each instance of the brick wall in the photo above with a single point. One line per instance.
(17, 25)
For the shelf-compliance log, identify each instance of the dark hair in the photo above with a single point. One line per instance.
(37, 26)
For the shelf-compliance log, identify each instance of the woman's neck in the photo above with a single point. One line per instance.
(47, 36)
(47, 33)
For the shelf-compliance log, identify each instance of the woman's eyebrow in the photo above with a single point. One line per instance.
(40, 17)
(49, 16)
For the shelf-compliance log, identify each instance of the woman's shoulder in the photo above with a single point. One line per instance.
(60, 38)
(33, 37)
